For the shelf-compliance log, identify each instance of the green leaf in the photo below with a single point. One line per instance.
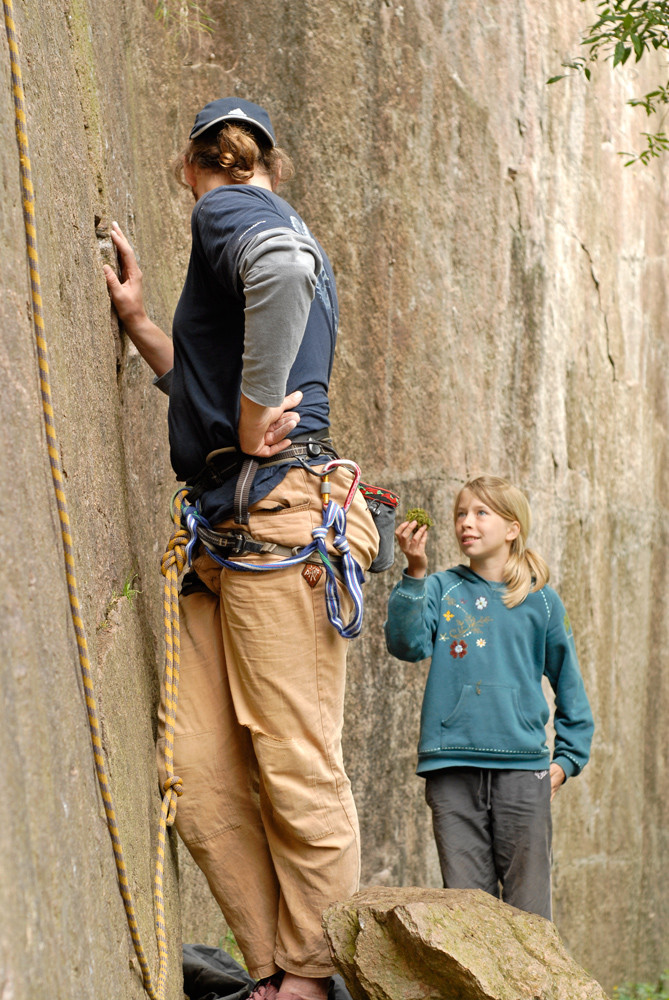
(620, 54)
(638, 46)
(554, 79)
(587, 73)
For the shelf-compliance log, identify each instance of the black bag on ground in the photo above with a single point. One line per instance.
(212, 974)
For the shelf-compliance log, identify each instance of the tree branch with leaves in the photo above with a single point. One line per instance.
(626, 28)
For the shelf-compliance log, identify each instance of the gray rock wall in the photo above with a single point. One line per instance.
(502, 282)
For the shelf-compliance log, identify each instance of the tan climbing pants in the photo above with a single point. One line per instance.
(266, 809)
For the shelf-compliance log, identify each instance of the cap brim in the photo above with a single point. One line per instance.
(232, 118)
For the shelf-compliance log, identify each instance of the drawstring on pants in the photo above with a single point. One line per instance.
(488, 789)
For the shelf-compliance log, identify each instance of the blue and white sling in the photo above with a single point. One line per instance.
(334, 517)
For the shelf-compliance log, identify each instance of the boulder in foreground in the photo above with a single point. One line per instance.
(449, 944)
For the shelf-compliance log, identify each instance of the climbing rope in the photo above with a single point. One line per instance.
(169, 801)
(173, 562)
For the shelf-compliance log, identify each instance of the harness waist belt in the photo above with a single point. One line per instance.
(237, 543)
(226, 463)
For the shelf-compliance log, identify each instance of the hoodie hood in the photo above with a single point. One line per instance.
(466, 573)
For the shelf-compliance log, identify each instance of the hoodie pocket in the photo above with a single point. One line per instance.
(489, 718)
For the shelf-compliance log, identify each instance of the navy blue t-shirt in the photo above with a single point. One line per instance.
(208, 335)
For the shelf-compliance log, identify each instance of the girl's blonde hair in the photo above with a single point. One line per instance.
(525, 570)
(236, 149)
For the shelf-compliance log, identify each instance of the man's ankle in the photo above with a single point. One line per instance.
(303, 987)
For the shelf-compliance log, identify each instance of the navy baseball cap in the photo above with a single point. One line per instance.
(233, 109)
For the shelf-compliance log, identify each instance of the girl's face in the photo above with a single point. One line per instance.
(484, 536)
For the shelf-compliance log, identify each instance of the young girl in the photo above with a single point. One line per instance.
(492, 630)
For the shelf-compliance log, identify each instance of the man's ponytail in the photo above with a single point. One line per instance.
(236, 149)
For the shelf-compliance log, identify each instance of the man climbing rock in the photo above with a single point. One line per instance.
(266, 809)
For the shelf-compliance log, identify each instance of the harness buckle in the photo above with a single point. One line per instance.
(237, 542)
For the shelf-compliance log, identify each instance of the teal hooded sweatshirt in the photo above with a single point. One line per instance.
(483, 704)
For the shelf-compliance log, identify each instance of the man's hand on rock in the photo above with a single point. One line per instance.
(126, 294)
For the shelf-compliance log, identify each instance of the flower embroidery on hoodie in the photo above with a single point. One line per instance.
(480, 642)
(464, 623)
(481, 603)
(458, 649)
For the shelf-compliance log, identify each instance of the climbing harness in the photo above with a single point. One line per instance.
(172, 785)
(224, 463)
(222, 545)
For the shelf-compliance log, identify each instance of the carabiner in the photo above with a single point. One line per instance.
(325, 489)
(348, 464)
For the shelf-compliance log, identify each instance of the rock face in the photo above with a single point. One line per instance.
(503, 284)
(449, 944)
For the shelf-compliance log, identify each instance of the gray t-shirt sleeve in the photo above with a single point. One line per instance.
(164, 381)
(279, 269)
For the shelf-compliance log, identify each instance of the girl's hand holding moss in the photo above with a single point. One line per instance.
(412, 541)
(420, 516)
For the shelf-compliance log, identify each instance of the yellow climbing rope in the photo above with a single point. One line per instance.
(172, 564)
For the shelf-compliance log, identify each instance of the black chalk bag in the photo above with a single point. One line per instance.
(382, 505)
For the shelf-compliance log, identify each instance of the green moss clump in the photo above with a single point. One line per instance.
(418, 515)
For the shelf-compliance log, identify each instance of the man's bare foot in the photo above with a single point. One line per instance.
(302, 988)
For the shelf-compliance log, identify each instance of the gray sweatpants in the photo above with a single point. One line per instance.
(494, 827)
